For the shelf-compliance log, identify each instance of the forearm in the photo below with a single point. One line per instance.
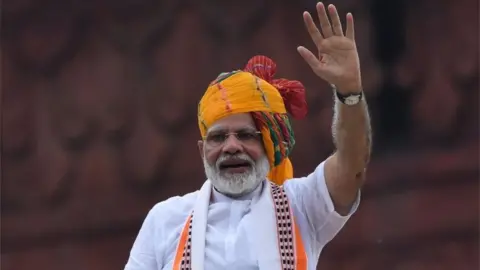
(344, 170)
(352, 137)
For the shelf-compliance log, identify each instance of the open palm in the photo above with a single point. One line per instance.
(337, 60)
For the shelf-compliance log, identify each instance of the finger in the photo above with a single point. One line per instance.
(312, 28)
(324, 22)
(336, 24)
(350, 32)
(309, 57)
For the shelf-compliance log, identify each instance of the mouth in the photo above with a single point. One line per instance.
(235, 166)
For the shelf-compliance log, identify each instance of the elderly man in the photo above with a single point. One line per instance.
(251, 213)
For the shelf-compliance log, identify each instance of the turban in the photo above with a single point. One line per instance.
(254, 90)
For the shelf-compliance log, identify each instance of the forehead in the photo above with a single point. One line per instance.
(234, 122)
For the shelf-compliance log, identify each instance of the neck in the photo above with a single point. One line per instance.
(248, 194)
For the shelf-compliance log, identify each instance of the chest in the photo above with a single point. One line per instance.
(228, 243)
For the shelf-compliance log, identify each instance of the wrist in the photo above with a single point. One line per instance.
(351, 98)
(349, 88)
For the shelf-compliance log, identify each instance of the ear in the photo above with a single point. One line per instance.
(200, 148)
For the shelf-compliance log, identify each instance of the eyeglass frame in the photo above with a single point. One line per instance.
(257, 137)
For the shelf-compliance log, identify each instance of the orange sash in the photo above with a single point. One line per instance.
(290, 245)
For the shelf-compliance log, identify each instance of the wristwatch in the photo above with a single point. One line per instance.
(348, 99)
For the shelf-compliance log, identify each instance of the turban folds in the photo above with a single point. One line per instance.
(254, 90)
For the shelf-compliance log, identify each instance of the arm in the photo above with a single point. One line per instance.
(345, 169)
(338, 64)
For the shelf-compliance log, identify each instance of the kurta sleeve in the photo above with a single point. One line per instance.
(312, 202)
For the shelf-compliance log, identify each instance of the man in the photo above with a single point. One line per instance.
(251, 213)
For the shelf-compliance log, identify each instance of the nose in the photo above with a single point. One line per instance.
(232, 145)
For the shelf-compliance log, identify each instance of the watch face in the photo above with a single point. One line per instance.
(352, 100)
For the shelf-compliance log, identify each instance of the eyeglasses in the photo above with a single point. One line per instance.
(219, 138)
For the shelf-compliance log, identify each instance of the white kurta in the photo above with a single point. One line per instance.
(229, 243)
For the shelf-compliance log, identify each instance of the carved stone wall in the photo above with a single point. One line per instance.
(98, 123)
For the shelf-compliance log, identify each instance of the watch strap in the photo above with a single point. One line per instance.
(348, 99)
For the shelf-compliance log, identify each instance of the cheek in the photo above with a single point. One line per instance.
(211, 156)
(255, 152)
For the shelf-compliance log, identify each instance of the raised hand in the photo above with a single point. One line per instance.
(337, 60)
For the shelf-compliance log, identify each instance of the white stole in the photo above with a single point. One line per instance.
(199, 226)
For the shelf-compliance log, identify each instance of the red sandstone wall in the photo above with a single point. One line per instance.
(99, 123)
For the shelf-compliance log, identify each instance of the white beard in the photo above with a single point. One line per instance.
(237, 184)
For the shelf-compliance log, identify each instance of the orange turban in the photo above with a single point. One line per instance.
(254, 91)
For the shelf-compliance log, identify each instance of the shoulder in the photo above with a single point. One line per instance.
(173, 211)
(313, 183)
(160, 228)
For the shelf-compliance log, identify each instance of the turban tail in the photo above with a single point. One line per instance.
(253, 90)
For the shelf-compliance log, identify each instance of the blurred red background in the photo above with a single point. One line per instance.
(98, 123)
